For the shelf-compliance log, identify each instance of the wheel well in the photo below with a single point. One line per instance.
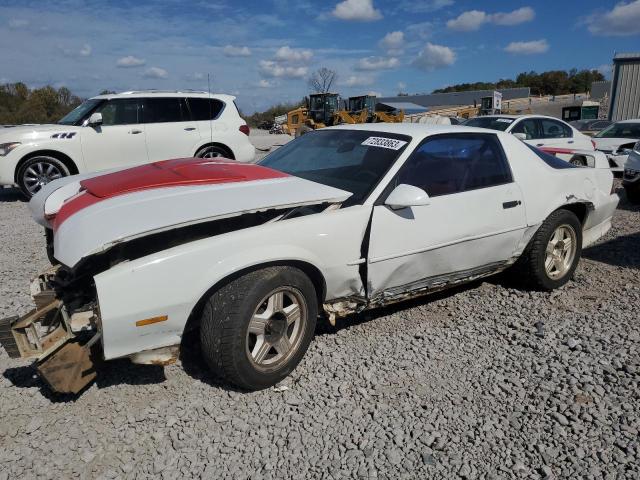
(581, 210)
(219, 145)
(70, 164)
(310, 270)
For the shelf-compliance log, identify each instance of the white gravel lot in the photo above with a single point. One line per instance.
(485, 381)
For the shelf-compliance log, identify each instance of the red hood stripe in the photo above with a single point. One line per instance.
(168, 173)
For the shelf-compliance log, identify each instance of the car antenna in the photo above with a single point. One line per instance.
(210, 110)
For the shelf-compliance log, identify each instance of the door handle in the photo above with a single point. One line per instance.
(135, 132)
(570, 141)
(190, 129)
(511, 204)
(539, 144)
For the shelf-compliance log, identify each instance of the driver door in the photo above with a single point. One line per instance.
(473, 223)
(119, 141)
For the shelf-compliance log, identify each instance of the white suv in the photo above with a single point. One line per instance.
(536, 130)
(121, 130)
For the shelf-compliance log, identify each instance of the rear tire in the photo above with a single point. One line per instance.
(551, 258)
(255, 330)
(633, 194)
(578, 161)
(213, 151)
(37, 171)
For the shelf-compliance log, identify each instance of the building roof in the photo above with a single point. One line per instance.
(457, 98)
(406, 106)
(627, 56)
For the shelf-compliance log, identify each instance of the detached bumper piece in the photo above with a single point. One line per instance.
(63, 359)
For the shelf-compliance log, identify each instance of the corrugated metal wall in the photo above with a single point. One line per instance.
(625, 99)
(600, 89)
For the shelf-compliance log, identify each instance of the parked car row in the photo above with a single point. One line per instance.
(122, 130)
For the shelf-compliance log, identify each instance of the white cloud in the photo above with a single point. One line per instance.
(357, 81)
(272, 69)
(623, 19)
(527, 48)
(292, 55)
(155, 72)
(377, 63)
(393, 42)
(358, 10)
(265, 84)
(233, 51)
(373, 93)
(130, 61)
(18, 23)
(433, 57)
(468, 21)
(521, 15)
(473, 19)
(422, 30)
(605, 69)
(402, 85)
(423, 6)
(196, 77)
(84, 51)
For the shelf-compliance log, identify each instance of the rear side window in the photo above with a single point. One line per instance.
(455, 163)
(205, 108)
(550, 160)
(120, 111)
(163, 110)
(554, 129)
(528, 126)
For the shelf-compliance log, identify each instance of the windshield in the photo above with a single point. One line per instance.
(352, 160)
(621, 130)
(493, 123)
(75, 116)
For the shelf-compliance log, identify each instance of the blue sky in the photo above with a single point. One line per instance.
(263, 51)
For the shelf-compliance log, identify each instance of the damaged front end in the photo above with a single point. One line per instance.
(58, 333)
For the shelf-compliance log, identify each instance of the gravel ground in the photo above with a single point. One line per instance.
(485, 381)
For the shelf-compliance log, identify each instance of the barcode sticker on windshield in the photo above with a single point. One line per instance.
(504, 120)
(390, 143)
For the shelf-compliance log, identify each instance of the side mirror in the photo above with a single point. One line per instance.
(404, 196)
(521, 136)
(95, 119)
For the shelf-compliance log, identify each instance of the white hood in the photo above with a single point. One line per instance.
(105, 218)
(612, 144)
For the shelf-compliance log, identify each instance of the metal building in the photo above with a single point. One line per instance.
(458, 98)
(625, 87)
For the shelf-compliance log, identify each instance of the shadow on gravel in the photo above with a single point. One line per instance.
(11, 195)
(622, 251)
(115, 372)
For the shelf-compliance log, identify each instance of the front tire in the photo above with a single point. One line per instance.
(36, 172)
(255, 330)
(552, 256)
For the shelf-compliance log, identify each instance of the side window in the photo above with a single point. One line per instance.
(528, 126)
(554, 129)
(449, 164)
(204, 108)
(294, 119)
(163, 110)
(120, 111)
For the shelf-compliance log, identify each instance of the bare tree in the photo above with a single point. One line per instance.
(321, 80)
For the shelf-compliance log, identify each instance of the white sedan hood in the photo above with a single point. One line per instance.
(611, 144)
(132, 203)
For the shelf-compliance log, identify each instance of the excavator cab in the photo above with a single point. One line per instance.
(322, 107)
(362, 102)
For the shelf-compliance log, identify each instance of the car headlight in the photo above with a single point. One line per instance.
(624, 151)
(5, 148)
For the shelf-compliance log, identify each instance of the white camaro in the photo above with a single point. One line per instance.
(338, 221)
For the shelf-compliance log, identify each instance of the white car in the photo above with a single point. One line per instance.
(338, 221)
(631, 177)
(121, 130)
(617, 142)
(536, 130)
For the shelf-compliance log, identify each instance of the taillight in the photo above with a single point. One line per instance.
(594, 144)
(244, 129)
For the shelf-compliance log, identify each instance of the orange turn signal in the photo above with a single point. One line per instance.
(149, 321)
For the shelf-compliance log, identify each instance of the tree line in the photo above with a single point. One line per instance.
(553, 82)
(20, 104)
